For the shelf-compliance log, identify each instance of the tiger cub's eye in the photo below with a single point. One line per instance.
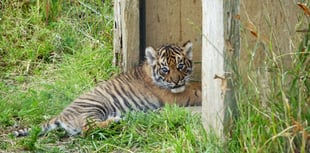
(164, 70)
(180, 66)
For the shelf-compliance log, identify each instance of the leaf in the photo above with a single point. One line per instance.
(237, 17)
(251, 27)
(304, 8)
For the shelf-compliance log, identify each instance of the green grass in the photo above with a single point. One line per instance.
(52, 51)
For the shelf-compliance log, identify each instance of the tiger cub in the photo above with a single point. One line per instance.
(162, 79)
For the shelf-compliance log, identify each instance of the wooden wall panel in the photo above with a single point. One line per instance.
(126, 44)
(275, 23)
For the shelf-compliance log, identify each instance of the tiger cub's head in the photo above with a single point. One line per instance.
(171, 66)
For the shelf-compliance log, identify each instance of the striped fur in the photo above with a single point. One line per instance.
(162, 79)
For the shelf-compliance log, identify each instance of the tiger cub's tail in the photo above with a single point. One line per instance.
(48, 126)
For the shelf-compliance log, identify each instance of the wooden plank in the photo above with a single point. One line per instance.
(231, 57)
(117, 37)
(126, 33)
(213, 64)
(216, 55)
(191, 28)
(162, 22)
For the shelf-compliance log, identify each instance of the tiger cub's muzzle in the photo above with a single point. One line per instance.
(178, 88)
(177, 84)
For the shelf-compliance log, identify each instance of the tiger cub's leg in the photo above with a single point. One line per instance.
(191, 96)
(71, 124)
(194, 95)
(105, 123)
(100, 124)
(73, 127)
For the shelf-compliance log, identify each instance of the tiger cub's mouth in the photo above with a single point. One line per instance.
(178, 89)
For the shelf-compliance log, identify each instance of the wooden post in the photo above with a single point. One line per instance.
(220, 43)
(126, 34)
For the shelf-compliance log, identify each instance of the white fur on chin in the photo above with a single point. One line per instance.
(178, 90)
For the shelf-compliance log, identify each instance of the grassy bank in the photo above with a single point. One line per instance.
(52, 51)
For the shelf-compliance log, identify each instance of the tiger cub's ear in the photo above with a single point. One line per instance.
(187, 47)
(150, 55)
